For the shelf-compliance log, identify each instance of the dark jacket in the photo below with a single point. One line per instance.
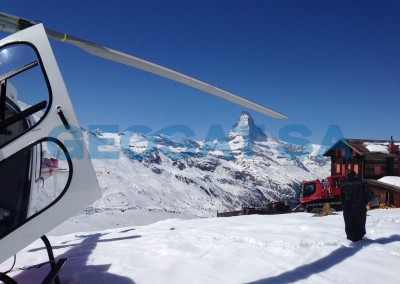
(354, 194)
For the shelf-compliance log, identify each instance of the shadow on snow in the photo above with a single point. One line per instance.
(320, 265)
(77, 269)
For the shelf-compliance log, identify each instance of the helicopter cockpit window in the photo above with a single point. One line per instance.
(24, 92)
(31, 180)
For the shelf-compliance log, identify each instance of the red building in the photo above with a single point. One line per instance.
(371, 160)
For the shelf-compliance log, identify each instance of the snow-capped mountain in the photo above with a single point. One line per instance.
(182, 176)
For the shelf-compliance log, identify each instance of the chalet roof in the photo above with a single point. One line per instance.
(364, 147)
(376, 184)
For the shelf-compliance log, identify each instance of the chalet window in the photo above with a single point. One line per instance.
(356, 168)
(354, 153)
(378, 169)
(343, 169)
(338, 168)
(342, 152)
(396, 163)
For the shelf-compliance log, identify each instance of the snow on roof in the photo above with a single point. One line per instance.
(392, 180)
(379, 148)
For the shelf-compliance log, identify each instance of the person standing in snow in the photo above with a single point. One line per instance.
(354, 197)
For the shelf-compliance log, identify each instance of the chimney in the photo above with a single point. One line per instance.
(393, 149)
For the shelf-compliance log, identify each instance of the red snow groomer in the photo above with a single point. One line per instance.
(315, 193)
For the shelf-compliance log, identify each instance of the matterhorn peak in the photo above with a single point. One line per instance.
(245, 119)
(246, 128)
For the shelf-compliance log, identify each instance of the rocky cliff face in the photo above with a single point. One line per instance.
(173, 174)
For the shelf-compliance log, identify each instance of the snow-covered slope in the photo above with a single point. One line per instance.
(288, 248)
(183, 177)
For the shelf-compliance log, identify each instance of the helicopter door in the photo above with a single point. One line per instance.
(45, 171)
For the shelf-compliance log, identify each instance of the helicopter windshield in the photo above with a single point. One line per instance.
(31, 180)
(24, 93)
(45, 170)
(24, 99)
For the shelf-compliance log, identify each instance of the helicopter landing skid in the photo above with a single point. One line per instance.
(55, 267)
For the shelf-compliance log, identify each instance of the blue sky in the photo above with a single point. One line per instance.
(332, 66)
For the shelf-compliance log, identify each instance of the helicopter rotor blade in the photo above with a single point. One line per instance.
(12, 23)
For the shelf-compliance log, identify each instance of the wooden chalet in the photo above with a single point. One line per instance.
(386, 193)
(371, 160)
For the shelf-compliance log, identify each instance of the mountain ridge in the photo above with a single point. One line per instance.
(198, 178)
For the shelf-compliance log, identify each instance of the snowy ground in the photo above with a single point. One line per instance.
(290, 248)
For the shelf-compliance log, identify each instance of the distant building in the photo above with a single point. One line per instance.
(371, 160)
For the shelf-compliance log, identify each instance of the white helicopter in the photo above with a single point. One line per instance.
(40, 136)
